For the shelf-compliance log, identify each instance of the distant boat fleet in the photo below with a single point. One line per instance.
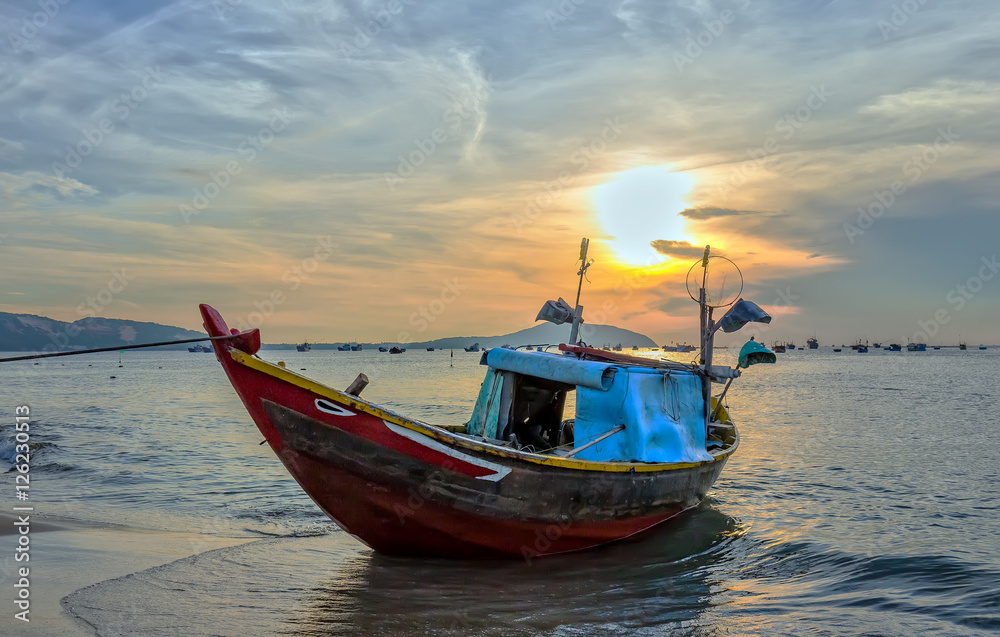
(861, 347)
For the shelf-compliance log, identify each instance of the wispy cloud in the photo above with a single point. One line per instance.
(711, 213)
(678, 249)
(508, 98)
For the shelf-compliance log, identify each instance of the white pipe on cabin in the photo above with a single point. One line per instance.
(606, 434)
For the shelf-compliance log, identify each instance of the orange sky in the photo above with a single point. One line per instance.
(462, 155)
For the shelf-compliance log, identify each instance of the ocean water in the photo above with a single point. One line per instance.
(863, 500)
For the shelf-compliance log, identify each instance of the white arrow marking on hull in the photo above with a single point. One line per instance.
(500, 470)
(330, 408)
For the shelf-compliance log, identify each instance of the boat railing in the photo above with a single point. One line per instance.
(541, 347)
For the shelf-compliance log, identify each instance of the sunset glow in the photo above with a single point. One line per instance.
(442, 149)
(640, 206)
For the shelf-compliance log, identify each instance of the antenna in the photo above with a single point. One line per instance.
(578, 312)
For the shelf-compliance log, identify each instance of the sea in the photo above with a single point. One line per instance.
(863, 500)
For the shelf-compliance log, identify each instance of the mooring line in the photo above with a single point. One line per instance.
(115, 349)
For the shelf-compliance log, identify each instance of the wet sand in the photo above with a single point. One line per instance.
(66, 556)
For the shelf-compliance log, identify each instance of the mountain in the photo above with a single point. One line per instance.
(30, 333)
(545, 333)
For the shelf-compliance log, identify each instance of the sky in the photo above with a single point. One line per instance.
(408, 170)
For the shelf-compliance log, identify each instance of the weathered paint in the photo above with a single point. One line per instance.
(407, 488)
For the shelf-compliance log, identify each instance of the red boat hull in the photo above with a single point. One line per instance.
(407, 488)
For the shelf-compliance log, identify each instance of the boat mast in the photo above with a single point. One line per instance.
(578, 312)
(706, 339)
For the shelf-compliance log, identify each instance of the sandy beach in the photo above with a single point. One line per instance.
(67, 556)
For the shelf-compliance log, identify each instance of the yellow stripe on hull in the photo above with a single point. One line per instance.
(443, 435)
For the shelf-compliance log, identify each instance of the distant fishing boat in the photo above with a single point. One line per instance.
(383, 349)
(344, 348)
(304, 347)
(473, 348)
(789, 346)
(681, 348)
(778, 349)
(895, 347)
(396, 350)
(916, 347)
(430, 349)
(861, 349)
(876, 345)
(837, 349)
(518, 480)
(812, 343)
(357, 348)
(201, 349)
(982, 347)
(962, 346)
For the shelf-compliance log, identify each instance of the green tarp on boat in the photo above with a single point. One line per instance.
(753, 353)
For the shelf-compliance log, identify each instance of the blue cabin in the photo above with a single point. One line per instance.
(524, 394)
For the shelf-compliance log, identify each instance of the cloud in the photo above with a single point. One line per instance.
(30, 185)
(676, 249)
(9, 149)
(944, 97)
(678, 306)
(711, 213)
(493, 107)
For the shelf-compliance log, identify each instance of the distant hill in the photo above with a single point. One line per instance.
(543, 333)
(546, 333)
(30, 333)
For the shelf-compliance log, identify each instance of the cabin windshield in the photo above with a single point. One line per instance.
(536, 412)
(523, 409)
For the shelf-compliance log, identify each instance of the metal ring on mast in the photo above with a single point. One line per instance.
(721, 299)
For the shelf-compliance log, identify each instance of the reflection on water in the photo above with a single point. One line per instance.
(662, 579)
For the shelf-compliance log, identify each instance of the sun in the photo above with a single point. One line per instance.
(642, 205)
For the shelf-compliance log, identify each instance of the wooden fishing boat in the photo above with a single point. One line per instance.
(518, 480)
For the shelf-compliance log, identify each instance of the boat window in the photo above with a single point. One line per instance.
(534, 413)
